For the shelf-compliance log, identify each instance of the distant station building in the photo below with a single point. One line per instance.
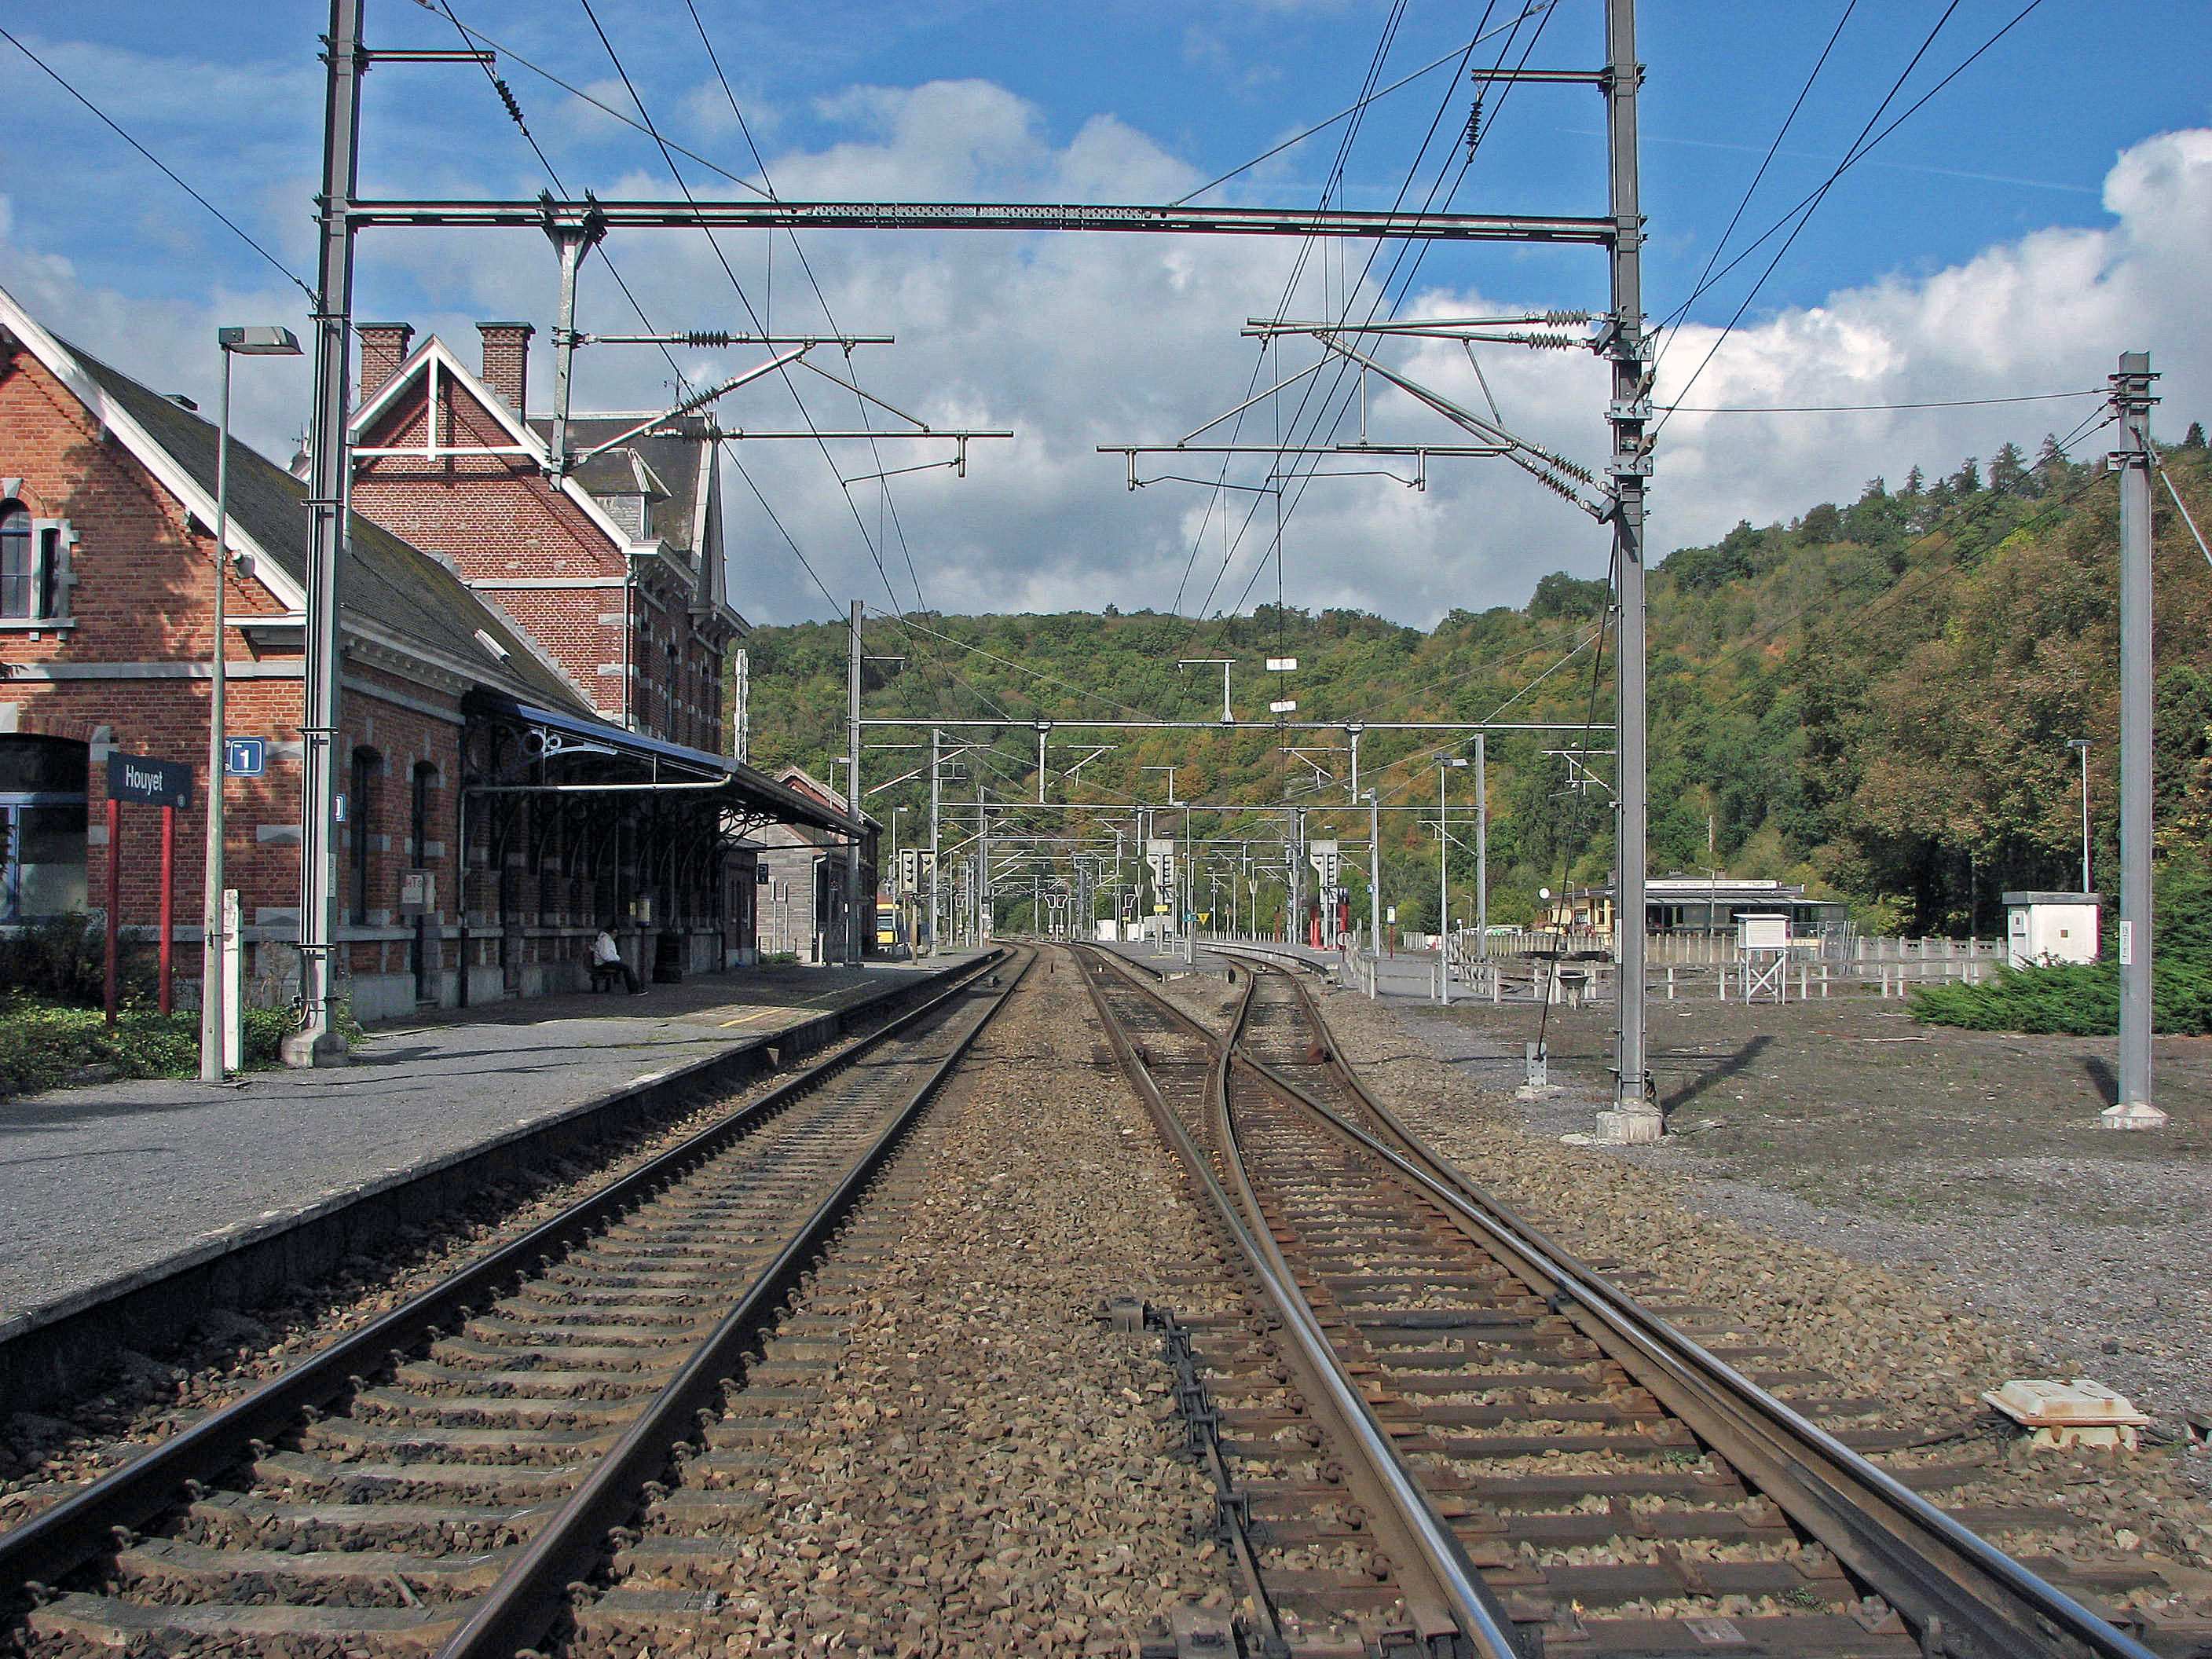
(504, 796)
(1712, 905)
(804, 904)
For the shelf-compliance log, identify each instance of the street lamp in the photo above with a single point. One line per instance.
(2081, 745)
(259, 340)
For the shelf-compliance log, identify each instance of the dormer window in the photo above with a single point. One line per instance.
(33, 565)
(628, 512)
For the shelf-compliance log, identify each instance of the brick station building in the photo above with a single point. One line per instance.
(496, 773)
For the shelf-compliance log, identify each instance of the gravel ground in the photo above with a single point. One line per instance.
(1894, 1329)
(982, 1470)
(1970, 1161)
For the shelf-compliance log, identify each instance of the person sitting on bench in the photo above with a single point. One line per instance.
(607, 962)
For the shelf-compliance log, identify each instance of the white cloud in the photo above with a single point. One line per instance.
(1080, 340)
(2048, 312)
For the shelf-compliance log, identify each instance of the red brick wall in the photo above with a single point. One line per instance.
(498, 520)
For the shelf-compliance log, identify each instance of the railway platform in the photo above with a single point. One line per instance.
(115, 1188)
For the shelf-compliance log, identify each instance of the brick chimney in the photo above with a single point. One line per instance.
(383, 349)
(506, 359)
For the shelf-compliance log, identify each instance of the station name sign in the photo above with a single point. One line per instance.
(156, 782)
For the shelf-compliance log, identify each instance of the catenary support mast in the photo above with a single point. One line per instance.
(854, 939)
(317, 1042)
(2131, 401)
(1635, 1114)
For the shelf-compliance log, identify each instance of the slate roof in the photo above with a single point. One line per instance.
(395, 585)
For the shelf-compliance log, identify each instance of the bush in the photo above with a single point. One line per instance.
(65, 959)
(2083, 998)
(42, 1044)
(2074, 999)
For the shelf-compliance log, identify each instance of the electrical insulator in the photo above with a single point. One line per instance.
(1474, 133)
(506, 97)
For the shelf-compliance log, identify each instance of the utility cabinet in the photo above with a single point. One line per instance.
(2046, 927)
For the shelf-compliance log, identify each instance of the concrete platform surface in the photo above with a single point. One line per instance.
(107, 1183)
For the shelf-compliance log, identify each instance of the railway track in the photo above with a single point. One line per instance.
(1451, 1438)
(434, 1483)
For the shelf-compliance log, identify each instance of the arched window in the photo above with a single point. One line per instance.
(418, 826)
(361, 815)
(33, 556)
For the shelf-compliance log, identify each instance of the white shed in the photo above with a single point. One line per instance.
(2044, 928)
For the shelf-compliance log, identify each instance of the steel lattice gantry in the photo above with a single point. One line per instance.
(342, 214)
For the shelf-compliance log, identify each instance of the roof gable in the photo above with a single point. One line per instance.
(390, 591)
(143, 422)
(411, 380)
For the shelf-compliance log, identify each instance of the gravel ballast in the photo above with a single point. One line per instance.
(981, 1469)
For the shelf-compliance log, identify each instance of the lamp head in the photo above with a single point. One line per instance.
(259, 340)
(2077, 742)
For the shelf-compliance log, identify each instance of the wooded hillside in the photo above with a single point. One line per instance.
(1875, 698)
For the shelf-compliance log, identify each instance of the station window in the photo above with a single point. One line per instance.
(361, 808)
(33, 556)
(42, 819)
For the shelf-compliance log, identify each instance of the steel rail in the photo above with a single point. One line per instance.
(81, 1528)
(1919, 1560)
(520, 1607)
(1459, 1585)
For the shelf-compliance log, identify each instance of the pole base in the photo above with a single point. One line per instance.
(303, 1050)
(2133, 1115)
(1625, 1127)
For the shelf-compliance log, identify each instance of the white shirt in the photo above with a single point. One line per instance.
(605, 950)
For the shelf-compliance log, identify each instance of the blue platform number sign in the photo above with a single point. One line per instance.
(156, 782)
(246, 757)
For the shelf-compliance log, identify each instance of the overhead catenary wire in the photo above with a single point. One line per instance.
(1859, 148)
(168, 172)
(1334, 402)
(666, 151)
(1863, 408)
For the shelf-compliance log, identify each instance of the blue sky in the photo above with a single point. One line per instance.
(2046, 209)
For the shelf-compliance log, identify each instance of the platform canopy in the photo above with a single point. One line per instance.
(551, 735)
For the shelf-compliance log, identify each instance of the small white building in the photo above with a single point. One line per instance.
(2047, 927)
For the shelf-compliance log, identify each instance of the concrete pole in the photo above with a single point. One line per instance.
(936, 765)
(318, 1043)
(1374, 890)
(1482, 845)
(854, 899)
(1635, 1114)
(1443, 890)
(2131, 399)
